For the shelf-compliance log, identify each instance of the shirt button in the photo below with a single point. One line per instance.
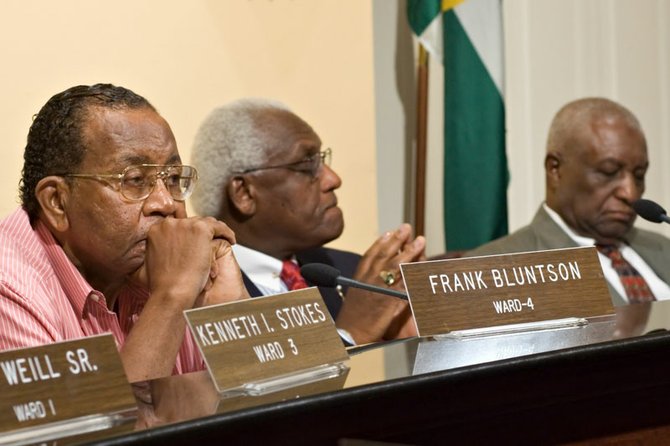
(95, 298)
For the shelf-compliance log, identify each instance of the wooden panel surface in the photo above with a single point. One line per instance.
(477, 292)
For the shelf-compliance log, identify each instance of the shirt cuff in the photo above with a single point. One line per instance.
(346, 336)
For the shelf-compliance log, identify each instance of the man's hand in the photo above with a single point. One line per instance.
(225, 278)
(188, 262)
(371, 317)
(182, 257)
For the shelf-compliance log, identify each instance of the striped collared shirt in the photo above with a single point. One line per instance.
(45, 299)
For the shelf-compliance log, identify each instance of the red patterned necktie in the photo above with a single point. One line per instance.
(633, 283)
(290, 275)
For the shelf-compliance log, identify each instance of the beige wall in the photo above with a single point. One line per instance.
(317, 56)
(187, 57)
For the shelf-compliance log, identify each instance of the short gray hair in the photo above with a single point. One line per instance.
(575, 117)
(231, 139)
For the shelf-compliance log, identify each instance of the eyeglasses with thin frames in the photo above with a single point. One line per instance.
(310, 165)
(137, 182)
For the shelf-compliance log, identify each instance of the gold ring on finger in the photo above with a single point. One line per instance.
(388, 277)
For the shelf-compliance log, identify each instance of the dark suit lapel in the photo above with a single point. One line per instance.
(330, 295)
(251, 287)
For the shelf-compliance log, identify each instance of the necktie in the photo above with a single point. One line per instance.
(633, 283)
(290, 275)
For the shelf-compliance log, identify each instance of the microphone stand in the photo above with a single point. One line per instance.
(375, 289)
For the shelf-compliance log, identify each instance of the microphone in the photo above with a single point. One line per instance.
(650, 210)
(325, 275)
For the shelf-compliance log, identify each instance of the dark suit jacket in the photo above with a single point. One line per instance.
(345, 261)
(543, 233)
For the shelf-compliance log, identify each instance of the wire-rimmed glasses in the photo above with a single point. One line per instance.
(137, 182)
(310, 165)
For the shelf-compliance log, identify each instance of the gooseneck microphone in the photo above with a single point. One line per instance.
(321, 274)
(651, 211)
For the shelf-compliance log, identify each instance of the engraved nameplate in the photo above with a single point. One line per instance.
(467, 293)
(74, 383)
(266, 337)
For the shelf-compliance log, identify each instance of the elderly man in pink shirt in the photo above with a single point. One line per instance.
(101, 242)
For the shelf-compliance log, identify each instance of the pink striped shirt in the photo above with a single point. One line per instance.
(44, 298)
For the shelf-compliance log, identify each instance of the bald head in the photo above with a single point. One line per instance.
(595, 166)
(574, 122)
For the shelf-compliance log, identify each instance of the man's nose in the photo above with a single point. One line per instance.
(630, 188)
(329, 179)
(160, 200)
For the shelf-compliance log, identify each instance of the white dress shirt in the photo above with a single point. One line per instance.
(660, 289)
(264, 271)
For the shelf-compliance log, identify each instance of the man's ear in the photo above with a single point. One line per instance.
(241, 195)
(52, 194)
(552, 164)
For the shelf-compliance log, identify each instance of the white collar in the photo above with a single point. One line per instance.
(263, 270)
(579, 239)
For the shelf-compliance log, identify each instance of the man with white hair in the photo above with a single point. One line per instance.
(263, 171)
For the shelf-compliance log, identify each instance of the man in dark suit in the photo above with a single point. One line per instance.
(595, 167)
(263, 171)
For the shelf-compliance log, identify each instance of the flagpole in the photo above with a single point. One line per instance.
(421, 142)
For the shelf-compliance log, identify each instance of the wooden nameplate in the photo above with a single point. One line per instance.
(62, 389)
(263, 344)
(476, 292)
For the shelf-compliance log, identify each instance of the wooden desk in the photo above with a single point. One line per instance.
(609, 392)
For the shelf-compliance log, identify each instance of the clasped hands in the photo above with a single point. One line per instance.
(191, 260)
(371, 317)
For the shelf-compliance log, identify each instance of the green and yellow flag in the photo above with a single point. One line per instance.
(466, 35)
